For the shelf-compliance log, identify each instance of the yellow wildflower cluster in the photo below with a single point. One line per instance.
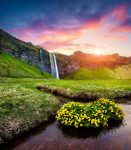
(93, 114)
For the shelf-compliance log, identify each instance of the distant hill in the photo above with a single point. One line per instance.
(83, 65)
(121, 72)
(95, 61)
(12, 67)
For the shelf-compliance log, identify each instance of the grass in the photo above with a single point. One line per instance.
(22, 106)
(121, 72)
(89, 89)
(12, 67)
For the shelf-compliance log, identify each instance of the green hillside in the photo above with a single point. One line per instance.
(121, 72)
(12, 67)
(12, 43)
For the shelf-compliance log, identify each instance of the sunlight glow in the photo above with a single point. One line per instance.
(97, 52)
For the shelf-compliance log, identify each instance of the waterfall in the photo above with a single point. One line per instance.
(41, 60)
(54, 67)
(44, 64)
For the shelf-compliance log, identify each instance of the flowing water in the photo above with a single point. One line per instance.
(54, 68)
(44, 64)
(51, 137)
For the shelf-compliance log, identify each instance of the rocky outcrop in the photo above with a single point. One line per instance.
(66, 64)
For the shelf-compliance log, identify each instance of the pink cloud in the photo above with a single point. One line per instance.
(116, 37)
(119, 13)
(53, 38)
(125, 28)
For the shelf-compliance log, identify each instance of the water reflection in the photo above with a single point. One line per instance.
(51, 136)
(72, 132)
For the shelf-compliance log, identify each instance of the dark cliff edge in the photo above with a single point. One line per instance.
(66, 64)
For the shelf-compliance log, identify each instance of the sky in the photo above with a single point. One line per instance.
(66, 26)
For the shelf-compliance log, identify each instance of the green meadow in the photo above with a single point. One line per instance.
(89, 89)
(26, 98)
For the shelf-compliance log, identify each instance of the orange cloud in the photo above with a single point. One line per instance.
(120, 29)
(64, 37)
(58, 37)
(92, 25)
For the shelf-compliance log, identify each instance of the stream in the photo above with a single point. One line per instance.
(51, 137)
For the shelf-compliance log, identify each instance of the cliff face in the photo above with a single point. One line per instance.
(66, 64)
(25, 51)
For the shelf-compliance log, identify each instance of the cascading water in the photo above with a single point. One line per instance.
(41, 59)
(54, 68)
(44, 63)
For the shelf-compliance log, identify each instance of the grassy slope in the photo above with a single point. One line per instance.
(22, 106)
(12, 43)
(122, 72)
(12, 67)
(89, 88)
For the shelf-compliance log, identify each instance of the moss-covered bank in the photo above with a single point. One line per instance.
(88, 89)
(23, 107)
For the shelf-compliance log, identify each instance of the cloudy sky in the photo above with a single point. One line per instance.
(65, 26)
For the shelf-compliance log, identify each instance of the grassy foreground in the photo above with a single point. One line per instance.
(22, 106)
(89, 89)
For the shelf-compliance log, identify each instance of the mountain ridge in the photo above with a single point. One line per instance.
(67, 64)
(26, 52)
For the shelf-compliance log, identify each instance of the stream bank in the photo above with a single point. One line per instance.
(51, 137)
